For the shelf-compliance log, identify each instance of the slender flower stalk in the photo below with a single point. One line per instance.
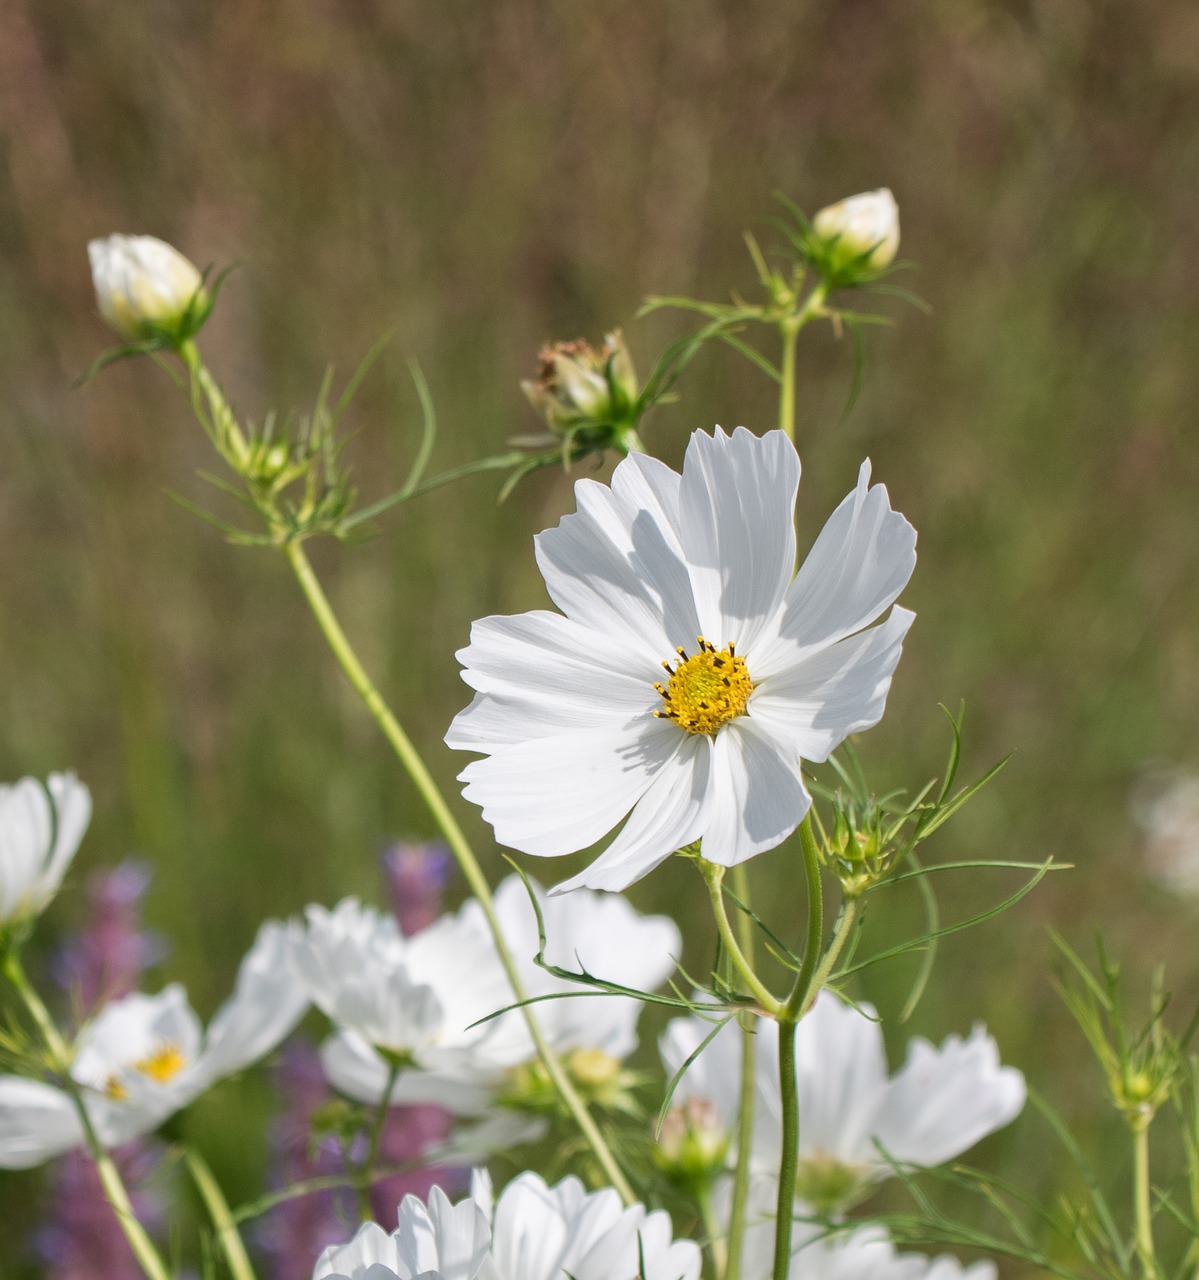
(220, 1214)
(115, 1191)
(745, 1108)
(789, 332)
(230, 440)
(1146, 1253)
(714, 878)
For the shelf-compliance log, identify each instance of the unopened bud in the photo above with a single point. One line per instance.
(860, 231)
(578, 385)
(146, 288)
(692, 1143)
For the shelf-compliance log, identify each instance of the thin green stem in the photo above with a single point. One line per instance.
(372, 1145)
(421, 778)
(745, 1103)
(789, 328)
(1143, 1208)
(714, 878)
(716, 1240)
(110, 1177)
(797, 1002)
(229, 439)
(227, 1233)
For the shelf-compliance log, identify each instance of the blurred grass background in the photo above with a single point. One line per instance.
(481, 177)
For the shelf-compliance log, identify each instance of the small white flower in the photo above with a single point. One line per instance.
(145, 1057)
(442, 1241)
(580, 726)
(40, 829)
(531, 1232)
(471, 1067)
(141, 282)
(862, 224)
(401, 995)
(940, 1102)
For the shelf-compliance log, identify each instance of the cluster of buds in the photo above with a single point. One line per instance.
(858, 847)
(853, 241)
(147, 290)
(588, 398)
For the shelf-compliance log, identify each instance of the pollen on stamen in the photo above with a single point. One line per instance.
(706, 690)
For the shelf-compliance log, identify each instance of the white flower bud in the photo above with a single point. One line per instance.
(142, 282)
(866, 224)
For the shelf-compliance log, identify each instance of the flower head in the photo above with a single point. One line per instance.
(859, 234)
(578, 386)
(145, 1057)
(940, 1102)
(578, 723)
(40, 829)
(530, 1232)
(146, 288)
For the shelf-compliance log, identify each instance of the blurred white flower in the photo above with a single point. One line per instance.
(401, 995)
(142, 282)
(40, 829)
(471, 1069)
(865, 1254)
(537, 1232)
(578, 724)
(145, 1057)
(938, 1104)
(1165, 805)
(866, 224)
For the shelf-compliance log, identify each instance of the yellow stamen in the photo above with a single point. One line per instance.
(163, 1063)
(706, 690)
(115, 1089)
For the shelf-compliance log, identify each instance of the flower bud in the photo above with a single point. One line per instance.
(861, 231)
(577, 385)
(692, 1143)
(145, 288)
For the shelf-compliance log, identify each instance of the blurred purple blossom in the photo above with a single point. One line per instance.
(81, 1239)
(416, 877)
(107, 958)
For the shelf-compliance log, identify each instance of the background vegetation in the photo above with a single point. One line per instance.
(481, 177)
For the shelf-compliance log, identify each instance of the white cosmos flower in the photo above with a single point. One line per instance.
(141, 281)
(531, 1232)
(40, 829)
(144, 1057)
(402, 995)
(471, 1067)
(938, 1104)
(580, 726)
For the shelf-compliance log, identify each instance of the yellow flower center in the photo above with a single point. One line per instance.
(165, 1061)
(705, 690)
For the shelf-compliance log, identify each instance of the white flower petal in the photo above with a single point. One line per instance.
(738, 509)
(266, 1004)
(616, 565)
(555, 795)
(817, 703)
(861, 561)
(757, 794)
(668, 816)
(548, 676)
(945, 1100)
(370, 1255)
(449, 1240)
(37, 1123)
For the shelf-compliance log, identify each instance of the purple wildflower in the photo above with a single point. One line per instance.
(81, 1239)
(105, 960)
(416, 876)
(294, 1233)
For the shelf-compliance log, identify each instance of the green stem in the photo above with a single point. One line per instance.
(797, 1002)
(421, 778)
(110, 1177)
(714, 878)
(372, 1146)
(1143, 1209)
(745, 1103)
(219, 1212)
(789, 328)
(716, 1242)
